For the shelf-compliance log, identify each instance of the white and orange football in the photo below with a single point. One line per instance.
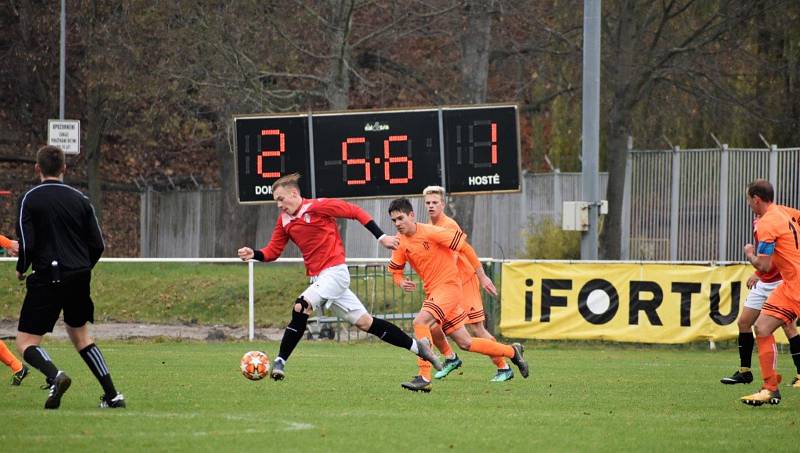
(255, 365)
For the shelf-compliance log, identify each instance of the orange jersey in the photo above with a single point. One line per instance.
(779, 237)
(430, 252)
(5, 242)
(774, 274)
(465, 269)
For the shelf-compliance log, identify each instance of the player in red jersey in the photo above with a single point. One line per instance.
(471, 300)
(311, 224)
(779, 246)
(429, 249)
(761, 285)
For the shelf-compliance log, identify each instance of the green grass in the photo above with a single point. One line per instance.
(169, 293)
(187, 396)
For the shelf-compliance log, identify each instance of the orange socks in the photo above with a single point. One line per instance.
(423, 331)
(767, 357)
(441, 341)
(491, 348)
(500, 363)
(8, 358)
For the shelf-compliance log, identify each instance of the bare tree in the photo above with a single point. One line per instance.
(649, 46)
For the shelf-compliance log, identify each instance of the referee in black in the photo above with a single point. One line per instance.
(59, 238)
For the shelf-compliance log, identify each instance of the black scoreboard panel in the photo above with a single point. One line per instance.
(481, 149)
(268, 148)
(376, 153)
(387, 153)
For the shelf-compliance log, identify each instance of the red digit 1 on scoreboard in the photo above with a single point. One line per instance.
(271, 153)
(388, 160)
(494, 143)
(362, 161)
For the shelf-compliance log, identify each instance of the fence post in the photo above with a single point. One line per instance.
(723, 204)
(773, 165)
(674, 202)
(251, 299)
(146, 200)
(625, 227)
(558, 204)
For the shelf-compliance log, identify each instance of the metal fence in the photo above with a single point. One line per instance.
(691, 204)
(182, 224)
(680, 205)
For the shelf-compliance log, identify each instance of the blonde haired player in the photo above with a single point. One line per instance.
(471, 301)
(429, 249)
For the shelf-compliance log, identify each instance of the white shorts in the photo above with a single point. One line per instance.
(332, 287)
(759, 294)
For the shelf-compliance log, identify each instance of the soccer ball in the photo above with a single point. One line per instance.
(255, 365)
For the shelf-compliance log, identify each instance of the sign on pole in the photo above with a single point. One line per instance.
(66, 134)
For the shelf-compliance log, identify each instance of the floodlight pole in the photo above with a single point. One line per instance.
(591, 124)
(63, 59)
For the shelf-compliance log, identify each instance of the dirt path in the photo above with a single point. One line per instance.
(123, 331)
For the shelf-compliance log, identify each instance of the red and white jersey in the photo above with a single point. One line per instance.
(313, 228)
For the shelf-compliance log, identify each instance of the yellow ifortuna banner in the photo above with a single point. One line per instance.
(648, 303)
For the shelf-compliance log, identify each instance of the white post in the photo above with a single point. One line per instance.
(252, 323)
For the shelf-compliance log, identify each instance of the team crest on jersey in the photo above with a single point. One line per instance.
(426, 245)
(306, 218)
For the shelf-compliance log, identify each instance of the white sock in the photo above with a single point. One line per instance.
(414, 347)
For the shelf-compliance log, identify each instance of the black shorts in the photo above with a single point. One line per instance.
(44, 302)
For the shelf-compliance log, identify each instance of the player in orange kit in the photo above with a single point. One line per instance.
(471, 299)
(429, 249)
(778, 245)
(17, 368)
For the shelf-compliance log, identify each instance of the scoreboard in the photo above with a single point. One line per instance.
(380, 153)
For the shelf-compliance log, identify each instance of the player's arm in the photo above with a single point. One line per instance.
(94, 237)
(761, 257)
(457, 241)
(25, 231)
(11, 246)
(340, 209)
(272, 250)
(486, 282)
(397, 263)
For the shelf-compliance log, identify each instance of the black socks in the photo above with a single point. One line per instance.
(390, 333)
(38, 358)
(94, 360)
(292, 335)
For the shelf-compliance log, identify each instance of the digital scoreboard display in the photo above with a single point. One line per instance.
(384, 153)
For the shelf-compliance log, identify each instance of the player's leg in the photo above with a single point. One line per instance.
(489, 348)
(38, 316)
(78, 312)
(451, 360)
(777, 310)
(422, 330)
(746, 341)
(94, 359)
(504, 373)
(350, 308)
(794, 349)
(293, 333)
(18, 370)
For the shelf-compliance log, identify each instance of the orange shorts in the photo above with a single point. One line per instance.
(444, 304)
(780, 304)
(472, 301)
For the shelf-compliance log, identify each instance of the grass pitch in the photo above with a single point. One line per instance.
(189, 396)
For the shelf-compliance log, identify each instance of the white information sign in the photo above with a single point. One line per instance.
(66, 134)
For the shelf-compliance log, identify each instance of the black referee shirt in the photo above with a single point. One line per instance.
(57, 223)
